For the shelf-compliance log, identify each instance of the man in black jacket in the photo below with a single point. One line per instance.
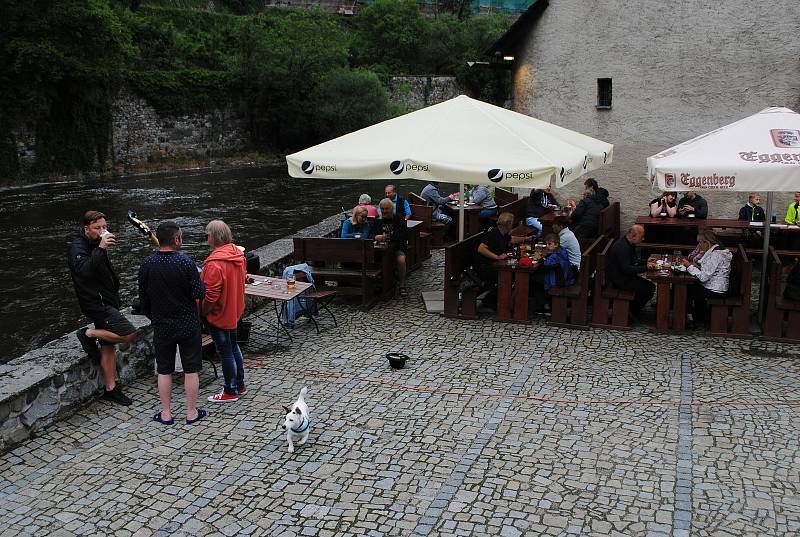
(97, 288)
(585, 218)
(752, 210)
(693, 205)
(623, 268)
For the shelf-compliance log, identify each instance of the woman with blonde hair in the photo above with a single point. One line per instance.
(224, 273)
(713, 272)
(356, 227)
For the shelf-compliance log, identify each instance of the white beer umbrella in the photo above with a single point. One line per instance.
(758, 153)
(461, 140)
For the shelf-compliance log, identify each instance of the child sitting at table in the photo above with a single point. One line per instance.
(555, 271)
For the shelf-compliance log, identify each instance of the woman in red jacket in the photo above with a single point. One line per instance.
(224, 274)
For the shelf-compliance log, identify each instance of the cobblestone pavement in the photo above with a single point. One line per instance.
(491, 429)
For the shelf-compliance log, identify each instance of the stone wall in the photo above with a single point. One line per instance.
(140, 135)
(415, 92)
(44, 385)
(678, 69)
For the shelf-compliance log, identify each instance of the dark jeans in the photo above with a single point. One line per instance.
(643, 291)
(540, 296)
(230, 356)
(484, 217)
(698, 301)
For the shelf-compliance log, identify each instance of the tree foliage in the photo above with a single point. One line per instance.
(299, 77)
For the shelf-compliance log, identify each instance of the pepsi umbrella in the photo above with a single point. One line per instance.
(461, 140)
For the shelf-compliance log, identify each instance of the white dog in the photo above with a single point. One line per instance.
(297, 422)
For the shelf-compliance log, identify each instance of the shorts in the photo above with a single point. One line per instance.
(191, 353)
(112, 320)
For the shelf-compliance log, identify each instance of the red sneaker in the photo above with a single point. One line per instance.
(223, 397)
(243, 391)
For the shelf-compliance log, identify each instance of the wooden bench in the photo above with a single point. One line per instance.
(782, 316)
(429, 234)
(516, 207)
(609, 221)
(325, 256)
(420, 210)
(209, 352)
(611, 306)
(457, 257)
(569, 304)
(504, 197)
(730, 316)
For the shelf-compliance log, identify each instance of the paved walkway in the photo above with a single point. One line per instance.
(492, 429)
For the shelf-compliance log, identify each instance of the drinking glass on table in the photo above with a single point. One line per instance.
(290, 283)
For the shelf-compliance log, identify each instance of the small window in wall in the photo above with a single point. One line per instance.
(604, 93)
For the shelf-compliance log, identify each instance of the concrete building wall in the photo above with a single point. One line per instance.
(679, 69)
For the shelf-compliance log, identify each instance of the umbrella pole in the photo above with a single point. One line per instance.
(762, 295)
(461, 204)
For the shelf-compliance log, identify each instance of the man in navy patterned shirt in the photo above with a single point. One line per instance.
(169, 286)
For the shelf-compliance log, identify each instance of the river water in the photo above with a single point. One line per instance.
(39, 221)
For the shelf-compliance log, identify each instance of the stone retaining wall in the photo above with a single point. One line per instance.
(46, 384)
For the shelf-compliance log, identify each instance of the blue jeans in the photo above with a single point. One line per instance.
(231, 357)
(535, 224)
(484, 217)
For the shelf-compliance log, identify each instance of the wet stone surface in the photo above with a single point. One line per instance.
(491, 429)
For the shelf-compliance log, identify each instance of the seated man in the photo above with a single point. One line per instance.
(585, 217)
(391, 227)
(567, 240)
(752, 210)
(623, 268)
(364, 200)
(793, 212)
(555, 271)
(540, 202)
(493, 248)
(390, 193)
(591, 186)
(432, 197)
(480, 195)
(692, 205)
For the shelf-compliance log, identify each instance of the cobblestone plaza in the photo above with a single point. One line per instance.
(491, 429)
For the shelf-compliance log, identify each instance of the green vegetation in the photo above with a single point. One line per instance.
(298, 76)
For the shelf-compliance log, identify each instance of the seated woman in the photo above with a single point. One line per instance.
(480, 195)
(365, 201)
(555, 271)
(356, 227)
(664, 206)
(392, 228)
(713, 271)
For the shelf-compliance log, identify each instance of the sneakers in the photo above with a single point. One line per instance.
(89, 344)
(242, 391)
(223, 397)
(116, 396)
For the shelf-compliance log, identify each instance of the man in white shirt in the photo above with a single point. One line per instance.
(569, 241)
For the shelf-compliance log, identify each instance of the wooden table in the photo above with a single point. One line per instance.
(513, 287)
(671, 296)
(276, 290)
(720, 223)
(472, 224)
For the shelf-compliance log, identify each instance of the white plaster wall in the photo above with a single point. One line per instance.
(679, 68)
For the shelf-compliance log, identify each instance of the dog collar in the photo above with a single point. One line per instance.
(303, 426)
